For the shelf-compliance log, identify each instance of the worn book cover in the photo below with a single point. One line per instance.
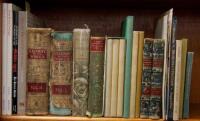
(61, 74)
(156, 79)
(146, 78)
(96, 77)
(81, 39)
(39, 40)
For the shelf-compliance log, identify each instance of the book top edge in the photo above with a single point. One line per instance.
(81, 29)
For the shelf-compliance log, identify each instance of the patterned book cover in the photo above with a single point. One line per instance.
(39, 40)
(81, 39)
(188, 76)
(146, 78)
(61, 74)
(15, 62)
(96, 76)
(139, 73)
(170, 94)
(127, 33)
(156, 79)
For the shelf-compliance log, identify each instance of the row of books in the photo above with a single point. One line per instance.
(73, 73)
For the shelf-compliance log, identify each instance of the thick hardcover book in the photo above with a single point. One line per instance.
(146, 78)
(15, 62)
(134, 73)
(188, 76)
(127, 33)
(39, 40)
(81, 39)
(177, 84)
(156, 79)
(108, 75)
(139, 73)
(61, 74)
(96, 77)
(120, 87)
(183, 67)
(170, 92)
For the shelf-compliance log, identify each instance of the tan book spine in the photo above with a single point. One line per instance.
(134, 73)
(39, 40)
(183, 64)
(120, 91)
(115, 67)
(177, 85)
(108, 76)
(139, 73)
(1, 17)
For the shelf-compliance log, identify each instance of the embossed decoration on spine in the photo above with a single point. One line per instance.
(80, 71)
(96, 73)
(39, 40)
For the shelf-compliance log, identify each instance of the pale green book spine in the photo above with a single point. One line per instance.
(127, 33)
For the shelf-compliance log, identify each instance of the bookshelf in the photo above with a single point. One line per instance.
(104, 17)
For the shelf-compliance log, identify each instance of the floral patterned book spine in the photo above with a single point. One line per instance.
(39, 40)
(61, 74)
(81, 39)
(156, 79)
(96, 77)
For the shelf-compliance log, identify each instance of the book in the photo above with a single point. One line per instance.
(183, 67)
(146, 78)
(177, 84)
(115, 71)
(188, 76)
(156, 79)
(61, 74)
(127, 33)
(81, 39)
(96, 77)
(15, 62)
(164, 30)
(39, 40)
(120, 90)
(1, 15)
(7, 38)
(108, 75)
(139, 73)
(170, 95)
(134, 73)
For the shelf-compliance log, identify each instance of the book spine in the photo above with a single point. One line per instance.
(134, 73)
(96, 73)
(146, 78)
(128, 34)
(108, 76)
(120, 91)
(115, 67)
(177, 84)
(172, 72)
(22, 61)
(156, 79)
(4, 60)
(61, 74)
(1, 32)
(39, 40)
(80, 67)
(15, 62)
(9, 58)
(188, 77)
(183, 67)
(139, 73)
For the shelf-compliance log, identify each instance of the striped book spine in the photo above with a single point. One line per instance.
(146, 78)
(156, 79)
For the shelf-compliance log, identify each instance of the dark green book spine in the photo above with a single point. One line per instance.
(96, 77)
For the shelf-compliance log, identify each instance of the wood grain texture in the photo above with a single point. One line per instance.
(1, 9)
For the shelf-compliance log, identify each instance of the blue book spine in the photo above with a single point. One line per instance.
(127, 33)
(187, 84)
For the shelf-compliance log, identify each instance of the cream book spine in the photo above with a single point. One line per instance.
(177, 80)
(134, 73)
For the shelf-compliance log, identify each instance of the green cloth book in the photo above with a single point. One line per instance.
(127, 33)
